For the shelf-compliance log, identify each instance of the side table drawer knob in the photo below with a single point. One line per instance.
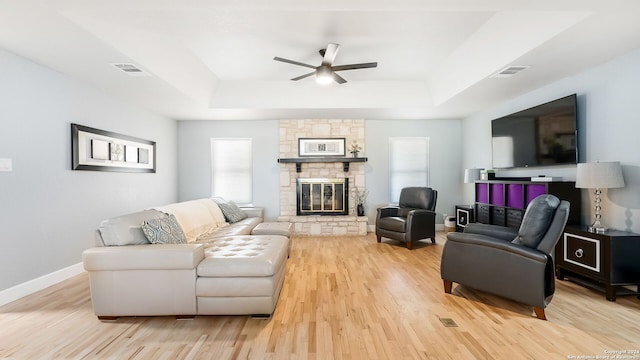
(579, 253)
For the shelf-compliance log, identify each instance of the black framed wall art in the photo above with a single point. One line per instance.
(100, 150)
(321, 147)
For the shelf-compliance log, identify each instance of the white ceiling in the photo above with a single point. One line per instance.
(213, 59)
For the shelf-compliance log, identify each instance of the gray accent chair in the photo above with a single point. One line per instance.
(413, 219)
(515, 264)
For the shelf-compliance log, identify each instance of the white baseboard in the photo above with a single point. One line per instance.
(14, 293)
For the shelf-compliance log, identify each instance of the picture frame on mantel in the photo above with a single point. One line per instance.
(100, 150)
(321, 147)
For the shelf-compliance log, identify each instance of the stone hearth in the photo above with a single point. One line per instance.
(290, 132)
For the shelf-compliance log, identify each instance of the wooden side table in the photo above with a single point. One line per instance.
(601, 261)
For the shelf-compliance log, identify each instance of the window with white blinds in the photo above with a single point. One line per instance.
(408, 164)
(231, 170)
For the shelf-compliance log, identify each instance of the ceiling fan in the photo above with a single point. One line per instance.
(326, 72)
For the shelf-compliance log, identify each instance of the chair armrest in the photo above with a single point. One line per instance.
(143, 257)
(387, 211)
(421, 224)
(502, 246)
(420, 215)
(501, 232)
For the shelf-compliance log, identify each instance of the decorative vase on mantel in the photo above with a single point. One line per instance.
(360, 209)
(354, 149)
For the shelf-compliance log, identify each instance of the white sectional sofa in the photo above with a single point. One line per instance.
(222, 269)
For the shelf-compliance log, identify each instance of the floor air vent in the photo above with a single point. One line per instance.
(447, 322)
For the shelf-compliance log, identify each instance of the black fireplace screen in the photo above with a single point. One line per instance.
(322, 196)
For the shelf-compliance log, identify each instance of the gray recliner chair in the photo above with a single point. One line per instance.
(413, 219)
(517, 265)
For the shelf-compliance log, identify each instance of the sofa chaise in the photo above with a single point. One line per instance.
(221, 268)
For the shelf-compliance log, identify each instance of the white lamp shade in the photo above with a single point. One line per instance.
(471, 175)
(599, 175)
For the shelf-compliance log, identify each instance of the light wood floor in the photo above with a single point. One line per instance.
(343, 298)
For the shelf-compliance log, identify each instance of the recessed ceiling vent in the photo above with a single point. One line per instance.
(131, 69)
(509, 71)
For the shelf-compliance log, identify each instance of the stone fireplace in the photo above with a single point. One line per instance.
(324, 196)
(342, 219)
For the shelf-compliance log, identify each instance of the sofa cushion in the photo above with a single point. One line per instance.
(231, 211)
(194, 217)
(126, 229)
(164, 230)
(242, 227)
(273, 228)
(239, 256)
(245, 286)
(536, 220)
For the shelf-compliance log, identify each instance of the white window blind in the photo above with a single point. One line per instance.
(231, 170)
(408, 164)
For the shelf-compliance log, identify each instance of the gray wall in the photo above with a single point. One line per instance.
(608, 128)
(444, 160)
(194, 153)
(47, 211)
(195, 159)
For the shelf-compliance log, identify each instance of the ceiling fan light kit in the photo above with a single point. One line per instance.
(326, 72)
(323, 75)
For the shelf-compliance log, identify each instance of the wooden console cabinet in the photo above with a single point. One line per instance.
(600, 261)
(503, 202)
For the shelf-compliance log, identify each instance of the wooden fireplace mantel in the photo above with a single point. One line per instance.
(322, 159)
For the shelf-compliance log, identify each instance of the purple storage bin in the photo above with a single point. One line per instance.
(482, 193)
(514, 196)
(497, 194)
(533, 191)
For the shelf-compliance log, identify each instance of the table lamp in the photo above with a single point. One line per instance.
(599, 175)
(471, 175)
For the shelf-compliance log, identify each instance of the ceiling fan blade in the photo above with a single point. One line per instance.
(303, 76)
(354, 66)
(330, 54)
(293, 62)
(337, 78)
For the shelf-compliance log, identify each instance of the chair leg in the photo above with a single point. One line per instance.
(409, 245)
(433, 240)
(447, 286)
(379, 238)
(539, 313)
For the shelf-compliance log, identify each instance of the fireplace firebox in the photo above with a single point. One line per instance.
(322, 196)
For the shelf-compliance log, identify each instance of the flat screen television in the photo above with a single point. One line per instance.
(543, 135)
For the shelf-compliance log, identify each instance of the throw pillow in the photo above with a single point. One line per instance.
(536, 220)
(231, 211)
(164, 230)
(216, 212)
